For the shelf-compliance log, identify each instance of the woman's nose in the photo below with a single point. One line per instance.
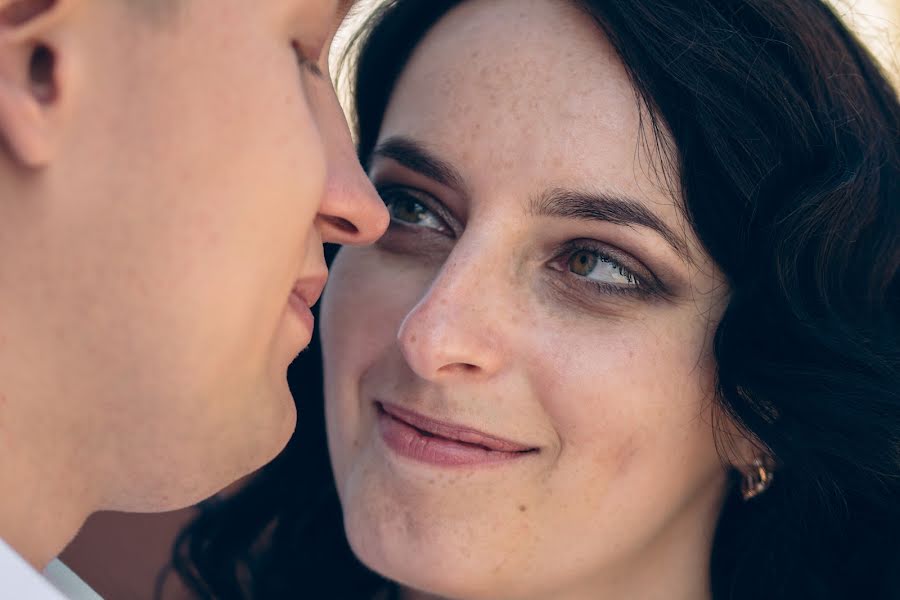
(454, 330)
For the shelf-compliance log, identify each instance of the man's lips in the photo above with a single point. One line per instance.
(453, 433)
(309, 289)
(304, 295)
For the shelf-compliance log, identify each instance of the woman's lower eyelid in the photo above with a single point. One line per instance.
(593, 287)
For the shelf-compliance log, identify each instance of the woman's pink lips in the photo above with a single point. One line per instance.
(427, 440)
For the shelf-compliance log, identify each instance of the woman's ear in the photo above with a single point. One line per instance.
(753, 460)
(30, 82)
(740, 449)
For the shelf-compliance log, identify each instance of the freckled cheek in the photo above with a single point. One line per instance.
(583, 381)
(626, 407)
(603, 393)
(364, 303)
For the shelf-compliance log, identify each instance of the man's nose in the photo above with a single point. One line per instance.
(351, 211)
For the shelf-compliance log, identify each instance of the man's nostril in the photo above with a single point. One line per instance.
(16, 14)
(342, 224)
(459, 368)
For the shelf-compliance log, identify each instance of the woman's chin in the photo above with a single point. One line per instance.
(424, 566)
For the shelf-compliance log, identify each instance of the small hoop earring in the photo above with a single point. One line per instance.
(757, 480)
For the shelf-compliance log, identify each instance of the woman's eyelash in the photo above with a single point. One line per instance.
(638, 285)
(418, 211)
(606, 258)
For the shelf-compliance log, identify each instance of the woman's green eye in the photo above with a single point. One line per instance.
(582, 263)
(406, 209)
(592, 265)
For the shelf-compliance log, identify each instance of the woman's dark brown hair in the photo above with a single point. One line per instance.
(787, 150)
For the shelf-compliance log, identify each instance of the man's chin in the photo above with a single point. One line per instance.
(271, 429)
(226, 459)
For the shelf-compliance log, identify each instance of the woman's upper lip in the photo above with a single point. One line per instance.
(452, 431)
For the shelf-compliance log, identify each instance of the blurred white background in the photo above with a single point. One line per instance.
(878, 23)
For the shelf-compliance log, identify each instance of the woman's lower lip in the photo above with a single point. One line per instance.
(412, 443)
(300, 308)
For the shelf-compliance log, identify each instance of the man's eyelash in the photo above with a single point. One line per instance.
(310, 65)
(312, 68)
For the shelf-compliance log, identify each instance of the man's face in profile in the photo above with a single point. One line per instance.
(152, 255)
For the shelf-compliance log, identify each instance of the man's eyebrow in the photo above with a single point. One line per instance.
(415, 157)
(590, 206)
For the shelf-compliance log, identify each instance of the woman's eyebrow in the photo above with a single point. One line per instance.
(415, 157)
(557, 202)
(600, 206)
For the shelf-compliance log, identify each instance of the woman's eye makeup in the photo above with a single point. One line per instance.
(598, 267)
(410, 208)
(588, 266)
(590, 263)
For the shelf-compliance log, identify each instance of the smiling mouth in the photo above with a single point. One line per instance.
(444, 444)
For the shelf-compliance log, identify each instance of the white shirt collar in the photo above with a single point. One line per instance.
(68, 582)
(19, 580)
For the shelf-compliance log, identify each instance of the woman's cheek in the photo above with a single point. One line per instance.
(611, 391)
(362, 308)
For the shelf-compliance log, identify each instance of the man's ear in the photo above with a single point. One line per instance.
(29, 77)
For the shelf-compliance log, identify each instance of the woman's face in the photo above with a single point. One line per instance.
(519, 382)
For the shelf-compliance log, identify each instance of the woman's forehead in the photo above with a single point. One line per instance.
(529, 94)
(535, 62)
